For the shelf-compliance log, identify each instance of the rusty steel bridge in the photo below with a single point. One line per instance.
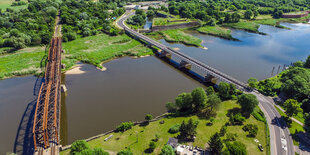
(46, 124)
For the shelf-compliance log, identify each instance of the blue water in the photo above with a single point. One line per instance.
(255, 55)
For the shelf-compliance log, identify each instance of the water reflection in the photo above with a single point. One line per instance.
(255, 55)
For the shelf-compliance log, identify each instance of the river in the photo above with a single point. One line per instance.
(255, 55)
(97, 101)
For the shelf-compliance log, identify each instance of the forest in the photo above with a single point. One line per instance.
(28, 27)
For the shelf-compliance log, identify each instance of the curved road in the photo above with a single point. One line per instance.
(281, 142)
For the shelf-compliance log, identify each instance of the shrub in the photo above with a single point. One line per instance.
(236, 119)
(78, 146)
(231, 136)
(148, 117)
(174, 129)
(223, 130)
(252, 128)
(167, 150)
(125, 152)
(236, 148)
(124, 126)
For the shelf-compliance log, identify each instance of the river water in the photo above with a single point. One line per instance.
(97, 101)
(255, 55)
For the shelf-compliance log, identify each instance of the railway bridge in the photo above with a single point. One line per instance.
(46, 124)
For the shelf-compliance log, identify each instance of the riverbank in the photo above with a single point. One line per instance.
(139, 137)
(217, 31)
(92, 50)
(244, 25)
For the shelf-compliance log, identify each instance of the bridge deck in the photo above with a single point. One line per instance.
(185, 58)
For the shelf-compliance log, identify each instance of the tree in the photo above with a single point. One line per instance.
(292, 107)
(199, 98)
(307, 63)
(171, 107)
(216, 144)
(248, 102)
(252, 82)
(307, 122)
(252, 128)
(125, 152)
(188, 130)
(174, 129)
(236, 119)
(236, 148)
(248, 14)
(150, 14)
(224, 90)
(148, 117)
(298, 64)
(210, 90)
(167, 150)
(78, 146)
(213, 102)
(184, 102)
(124, 126)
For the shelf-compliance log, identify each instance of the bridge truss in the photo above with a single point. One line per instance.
(47, 112)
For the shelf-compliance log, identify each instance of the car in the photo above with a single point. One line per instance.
(260, 147)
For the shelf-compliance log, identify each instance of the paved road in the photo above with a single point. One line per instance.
(281, 142)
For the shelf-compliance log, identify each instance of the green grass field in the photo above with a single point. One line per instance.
(145, 134)
(22, 62)
(7, 4)
(97, 49)
(216, 31)
(177, 35)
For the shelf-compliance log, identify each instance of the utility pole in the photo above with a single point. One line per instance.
(278, 69)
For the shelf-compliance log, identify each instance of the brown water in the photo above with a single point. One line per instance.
(128, 90)
(96, 101)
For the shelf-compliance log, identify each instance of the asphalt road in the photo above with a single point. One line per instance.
(281, 142)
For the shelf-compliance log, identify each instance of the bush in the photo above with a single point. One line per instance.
(174, 129)
(223, 130)
(152, 146)
(236, 148)
(231, 136)
(125, 152)
(167, 150)
(252, 128)
(148, 117)
(78, 146)
(236, 119)
(124, 126)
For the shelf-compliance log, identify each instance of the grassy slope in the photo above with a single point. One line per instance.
(93, 50)
(216, 31)
(249, 26)
(177, 35)
(164, 21)
(99, 48)
(295, 127)
(147, 133)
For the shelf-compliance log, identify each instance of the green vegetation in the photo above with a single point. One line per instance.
(97, 49)
(28, 62)
(244, 25)
(177, 35)
(248, 103)
(4, 4)
(146, 133)
(204, 119)
(78, 21)
(124, 126)
(216, 31)
(170, 21)
(32, 26)
(81, 147)
(93, 50)
(138, 20)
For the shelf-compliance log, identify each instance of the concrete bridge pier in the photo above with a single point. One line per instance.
(210, 79)
(165, 54)
(186, 65)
